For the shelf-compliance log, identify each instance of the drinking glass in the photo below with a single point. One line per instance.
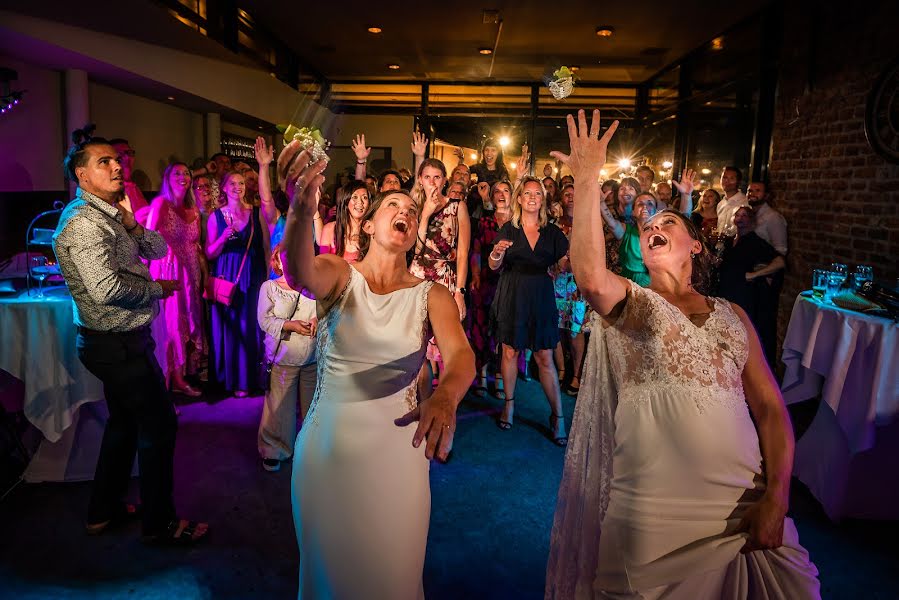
(840, 269)
(862, 274)
(819, 282)
(40, 272)
(229, 219)
(834, 281)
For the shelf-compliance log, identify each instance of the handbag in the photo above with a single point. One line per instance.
(265, 375)
(219, 289)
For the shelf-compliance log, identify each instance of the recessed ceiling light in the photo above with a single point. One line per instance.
(474, 156)
(170, 97)
(485, 50)
(574, 68)
(706, 171)
(393, 66)
(374, 30)
(605, 31)
(718, 43)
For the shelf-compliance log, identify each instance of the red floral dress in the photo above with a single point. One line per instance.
(482, 341)
(437, 259)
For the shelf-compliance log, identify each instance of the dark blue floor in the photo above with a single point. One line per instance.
(490, 524)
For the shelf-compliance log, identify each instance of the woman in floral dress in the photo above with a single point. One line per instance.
(441, 253)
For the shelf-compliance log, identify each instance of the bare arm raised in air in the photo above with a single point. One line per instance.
(324, 275)
(361, 153)
(603, 289)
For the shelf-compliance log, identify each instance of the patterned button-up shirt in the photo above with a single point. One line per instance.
(111, 287)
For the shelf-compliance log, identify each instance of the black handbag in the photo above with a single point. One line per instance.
(265, 367)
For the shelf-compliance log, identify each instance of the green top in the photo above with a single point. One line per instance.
(630, 258)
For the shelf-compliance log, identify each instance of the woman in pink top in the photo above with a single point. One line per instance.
(341, 236)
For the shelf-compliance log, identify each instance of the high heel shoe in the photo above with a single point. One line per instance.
(187, 390)
(557, 440)
(505, 425)
(572, 389)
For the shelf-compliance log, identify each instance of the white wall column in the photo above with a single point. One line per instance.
(213, 134)
(77, 106)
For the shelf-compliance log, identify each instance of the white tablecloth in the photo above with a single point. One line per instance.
(37, 345)
(851, 360)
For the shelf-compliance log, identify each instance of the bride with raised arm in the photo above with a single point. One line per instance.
(677, 474)
(361, 495)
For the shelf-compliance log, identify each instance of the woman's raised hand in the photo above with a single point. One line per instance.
(588, 149)
(358, 146)
(687, 182)
(419, 144)
(300, 180)
(264, 154)
(523, 161)
(432, 202)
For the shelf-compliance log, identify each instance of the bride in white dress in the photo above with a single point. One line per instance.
(361, 496)
(669, 490)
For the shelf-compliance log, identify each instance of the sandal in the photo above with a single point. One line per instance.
(127, 514)
(504, 425)
(560, 440)
(179, 533)
(572, 389)
(271, 464)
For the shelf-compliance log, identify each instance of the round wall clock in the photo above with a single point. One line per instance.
(882, 114)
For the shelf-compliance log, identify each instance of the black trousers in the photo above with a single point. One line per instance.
(141, 419)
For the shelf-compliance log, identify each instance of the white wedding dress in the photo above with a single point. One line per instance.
(361, 495)
(663, 460)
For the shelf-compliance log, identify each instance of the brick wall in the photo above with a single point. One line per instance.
(840, 198)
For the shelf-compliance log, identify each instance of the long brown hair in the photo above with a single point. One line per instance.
(169, 194)
(342, 222)
(700, 275)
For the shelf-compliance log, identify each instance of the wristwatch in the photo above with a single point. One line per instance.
(463, 290)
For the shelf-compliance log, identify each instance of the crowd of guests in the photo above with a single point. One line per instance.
(498, 244)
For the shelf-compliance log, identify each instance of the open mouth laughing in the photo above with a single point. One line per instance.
(657, 240)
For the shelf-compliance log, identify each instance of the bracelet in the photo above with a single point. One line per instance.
(362, 162)
(130, 229)
(496, 258)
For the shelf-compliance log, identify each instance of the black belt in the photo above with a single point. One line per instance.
(138, 331)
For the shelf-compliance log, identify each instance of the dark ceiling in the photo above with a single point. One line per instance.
(440, 40)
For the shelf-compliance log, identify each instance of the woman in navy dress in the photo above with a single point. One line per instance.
(524, 310)
(235, 339)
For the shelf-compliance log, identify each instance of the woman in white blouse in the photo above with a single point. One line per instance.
(287, 318)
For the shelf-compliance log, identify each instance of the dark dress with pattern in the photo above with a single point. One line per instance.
(524, 309)
(235, 338)
(482, 341)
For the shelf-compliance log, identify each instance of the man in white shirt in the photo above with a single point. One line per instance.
(731, 200)
(770, 225)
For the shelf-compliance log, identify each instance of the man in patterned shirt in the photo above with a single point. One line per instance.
(99, 246)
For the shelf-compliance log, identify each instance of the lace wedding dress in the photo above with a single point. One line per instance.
(361, 495)
(663, 461)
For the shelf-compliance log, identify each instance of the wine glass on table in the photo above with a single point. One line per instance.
(841, 272)
(40, 271)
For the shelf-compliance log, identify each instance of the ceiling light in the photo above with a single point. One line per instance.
(605, 31)
(574, 68)
(485, 51)
(374, 30)
(171, 97)
(706, 171)
(513, 166)
(474, 156)
(603, 172)
(624, 163)
(504, 141)
(718, 43)
(393, 66)
(667, 164)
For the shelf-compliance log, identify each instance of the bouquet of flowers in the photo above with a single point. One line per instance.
(563, 84)
(311, 139)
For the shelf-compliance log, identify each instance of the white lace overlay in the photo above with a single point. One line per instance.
(652, 346)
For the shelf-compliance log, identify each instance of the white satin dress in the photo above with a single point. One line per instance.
(361, 494)
(662, 464)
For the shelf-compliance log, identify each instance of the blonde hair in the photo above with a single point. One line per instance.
(543, 219)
